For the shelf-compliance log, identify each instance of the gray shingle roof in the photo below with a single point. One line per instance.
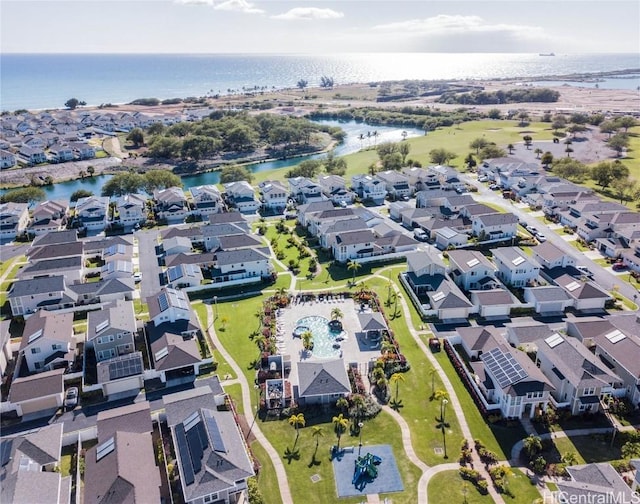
(41, 285)
(372, 321)
(317, 378)
(36, 386)
(224, 258)
(355, 237)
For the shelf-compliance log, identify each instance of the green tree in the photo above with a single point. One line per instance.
(547, 159)
(308, 168)
(570, 458)
(80, 193)
(404, 150)
(197, 147)
(123, 183)
(326, 82)
(353, 266)
(340, 425)
(255, 497)
(492, 151)
(162, 147)
(235, 173)
(524, 118)
(241, 138)
(433, 372)
(510, 148)
(302, 84)
(494, 113)
(570, 169)
(160, 179)
(73, 103)
(136, 136)
(342, 404)
(601, 174)
(538, 152)
(334, 165)
(532, 445)
(336, 314)
(23, 195)
(297, 421)
(317, 432)
(392, 161)
(626, 122)
(442, 396)
(478, 143)
(630, 450)
(441, 156)
(396, 378)
(618, 142)
(91, 170)
(307, 340)
(624, 188)
(386, 148)
(608, 127)
(527, 140)
(157, 128)
(470, 162)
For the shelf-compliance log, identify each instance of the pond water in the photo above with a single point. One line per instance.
(352, 143)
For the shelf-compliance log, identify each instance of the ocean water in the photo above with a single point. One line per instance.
(36, 81)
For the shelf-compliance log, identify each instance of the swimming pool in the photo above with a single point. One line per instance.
(323, 339)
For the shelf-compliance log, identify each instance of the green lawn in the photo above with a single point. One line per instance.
(523, 492)
(578, 245)
(448, 487)
(588, 449)
(267, 480)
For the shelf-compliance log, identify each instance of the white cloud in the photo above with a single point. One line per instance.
(239, 6)
(228, 5)
(309, 14)
(448, 24)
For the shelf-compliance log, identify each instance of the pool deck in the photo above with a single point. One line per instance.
(355, 348)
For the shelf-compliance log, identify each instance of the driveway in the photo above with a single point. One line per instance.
(147, 241)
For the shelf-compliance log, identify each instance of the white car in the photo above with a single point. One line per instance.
(71, 397)
(137, 276)
(541, 237)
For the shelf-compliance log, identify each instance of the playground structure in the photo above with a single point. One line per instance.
(366, 470)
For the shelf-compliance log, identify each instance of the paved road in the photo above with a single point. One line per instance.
(147, 241)
(11, 250)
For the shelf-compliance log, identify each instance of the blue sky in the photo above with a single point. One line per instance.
(308, 26)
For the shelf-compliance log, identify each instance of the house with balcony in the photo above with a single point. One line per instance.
(207, 200)
(29, 463)
(334, 188)
(421, 179)
(14, 218)
(48, 341)
(471, 270)
(304, 190)
(61, 153)
(47, 216)
(369, 188)
(212, 456)
(449, 177)
(396, 184)
(131, 210)
(50, 293)
(496, 226)
(82, 150)
(241, 266)
(583, 209)
(618, 349)
(241, 196)
(580, 379)
(548, 256)
(92, 213)
(274, 195)
(32, 155)
(515, 268)
(171, 205)
(7, 159)
(111, 331)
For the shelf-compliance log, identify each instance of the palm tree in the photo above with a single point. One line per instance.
(375, 137)
(336, 314)
(510, 147)
(342, 404)
(404, 135)
(441, 395)
(570, 458)
(387, 347)
(361, 138)
(538, 151)
(396, 378)
(433, 372)
(353, 266)
(358, 402)
(307, 340)
(259, 314)
(532, 445)
(340, 424)
(297, 421)
(260, 340)
(317, 432)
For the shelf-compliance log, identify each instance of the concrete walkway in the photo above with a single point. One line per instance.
(276, 460)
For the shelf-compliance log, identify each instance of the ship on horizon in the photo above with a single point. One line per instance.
(546, 54)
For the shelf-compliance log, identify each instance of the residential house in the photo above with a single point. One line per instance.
(456, 203)
(241, 195)
(431, 290)
(212, 456)
(306, 211)
(274, 195)
(496, 226)
(171, 204)
(48, 216)
(491, 168)
(61, 153)
(117, 252)
(131, 210)
(328, 216)
(548, 299)
(55, 251)
(618, 349)
(586, 295)
(321, 382)
(396, 184)
(580, 379)
(579, 211)
(548, 256)
(448, 177)
(494, 303)
(515, 268)
(7, 159)
(477, 340)
(121, 467)
(184, 275)
(369, 188)
(6, 354)
(53, 238)
(50, 293)
(116, 268)
(421, 179)
(92, 212)
(471, 270)
(48, 341)
(111, 331)
(447, 238)
(172, 306)
(103, 291)
(28, 471)
(473, 210)
(37, 395)
(334, 187)
(82, 150)
(418, 217)
(432, 198)
(396, 209)
(328, 230)
(241, 266)
(508, 377)
(526, 336)
(598, 482)
(32, 155)
(305, 190)
(14, 218)
(206, 200)
(176, 245)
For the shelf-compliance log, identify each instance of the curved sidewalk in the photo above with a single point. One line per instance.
(283, 482)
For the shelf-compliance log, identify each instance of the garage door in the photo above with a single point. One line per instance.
(552, 307)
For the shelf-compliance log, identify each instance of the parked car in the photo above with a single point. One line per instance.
(585, 271)
(619, 266)
(482, 178)
(71, 397)
(532, 229)
(494, 187)
(541, 238)
(137, 276)
(420, 234)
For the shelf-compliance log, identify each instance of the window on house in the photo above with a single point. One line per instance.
(38, 365)
(589, 391)
(35, 350)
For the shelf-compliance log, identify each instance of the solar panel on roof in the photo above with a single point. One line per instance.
(518, 260)
(191, 420)
(163, 301)
(473, 262)
(174, 273)
(214, 432)
(105, 448)
(125, 365)
(554, 340)
(438, 296)
(35, 336)
(615, 336)
(572, 286)
(504, 367)
(161, 354)
(195, 449)
(102, 326)
(185, 457)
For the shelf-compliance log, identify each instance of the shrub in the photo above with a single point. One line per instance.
(469, 474)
